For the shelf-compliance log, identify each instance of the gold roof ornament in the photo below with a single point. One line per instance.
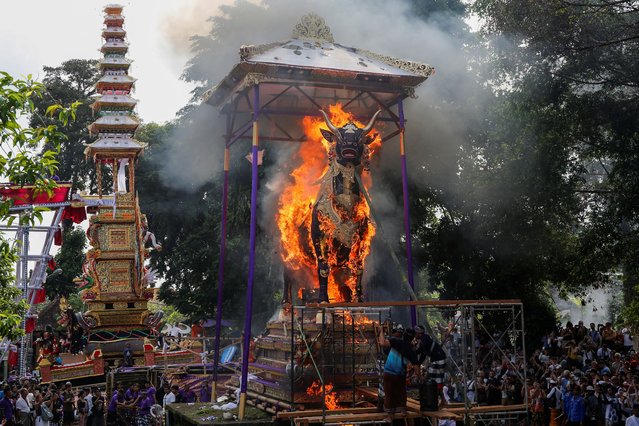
(313, 27)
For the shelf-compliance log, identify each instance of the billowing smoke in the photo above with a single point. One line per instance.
(437, 126)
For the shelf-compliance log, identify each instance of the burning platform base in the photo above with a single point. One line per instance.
(333, 353)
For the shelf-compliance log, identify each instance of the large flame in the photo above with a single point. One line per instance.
(331, 401)
(296, 205)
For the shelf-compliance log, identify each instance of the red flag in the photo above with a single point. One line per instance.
(29, 325)
(12, 358)
(77, 214)
(40, 296)
(51, 264)
(57, 237)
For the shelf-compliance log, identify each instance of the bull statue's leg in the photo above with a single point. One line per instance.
(287, 296)
(359, 294)
(320, 245)
(357, 266)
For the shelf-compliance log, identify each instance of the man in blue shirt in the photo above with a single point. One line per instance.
(400, 354)
(576, 408)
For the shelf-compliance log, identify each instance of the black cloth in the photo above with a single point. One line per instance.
(404, 348)
(426, 346)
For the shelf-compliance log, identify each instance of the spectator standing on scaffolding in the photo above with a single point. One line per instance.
(400, 354)
(428, 347)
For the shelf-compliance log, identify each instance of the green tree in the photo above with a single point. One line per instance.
(187, 224)
(585, 53)
(69, 259)
(73, 80)
(23, 165)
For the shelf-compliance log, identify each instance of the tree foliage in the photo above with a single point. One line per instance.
(73, 80)
(187, 224)
(585, 53)
(69, 259)
(22, 164)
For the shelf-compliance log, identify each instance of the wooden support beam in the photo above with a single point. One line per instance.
(355, 418)
(488, 409)
(318, 412)
(414, 303)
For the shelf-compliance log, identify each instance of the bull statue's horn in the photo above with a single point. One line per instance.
(330, 125)
(370, 124)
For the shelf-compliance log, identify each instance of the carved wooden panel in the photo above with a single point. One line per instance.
(119, 239)
(115, 276)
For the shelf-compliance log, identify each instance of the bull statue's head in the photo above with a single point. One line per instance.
(349, 139)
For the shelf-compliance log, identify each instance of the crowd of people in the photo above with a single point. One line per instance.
(578, 375)
(585, 375)
(27, 403)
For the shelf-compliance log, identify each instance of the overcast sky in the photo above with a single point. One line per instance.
(35, 33)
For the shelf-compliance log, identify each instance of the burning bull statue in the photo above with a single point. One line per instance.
(338, 220)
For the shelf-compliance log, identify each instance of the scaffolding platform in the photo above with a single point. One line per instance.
(478, 332)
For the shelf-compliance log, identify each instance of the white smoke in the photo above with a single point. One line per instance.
(437, 125)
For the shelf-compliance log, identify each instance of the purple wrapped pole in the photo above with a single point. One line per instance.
(249, 287)
(409, 247)
(220, 274)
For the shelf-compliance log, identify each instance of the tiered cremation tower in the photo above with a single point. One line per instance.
(115, 285)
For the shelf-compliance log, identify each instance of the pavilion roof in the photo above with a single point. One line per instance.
(313, 58)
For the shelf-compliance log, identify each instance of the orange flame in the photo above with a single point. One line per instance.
(296, 205)
(331, 401)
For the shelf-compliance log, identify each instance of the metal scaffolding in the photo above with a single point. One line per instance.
(488, 330)
(30, 281)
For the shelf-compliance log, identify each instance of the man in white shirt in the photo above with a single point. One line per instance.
(89, 400)
(24, 409)
(634, 419)
(556, 393)
(170, 398)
